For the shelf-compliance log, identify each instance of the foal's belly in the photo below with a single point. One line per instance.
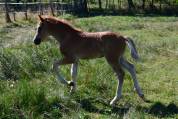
(89, 55)
(89, 49)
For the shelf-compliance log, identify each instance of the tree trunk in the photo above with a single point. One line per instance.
(51, 7)
(152, 4)
(8, 20)
(85, 8)
(119, 4)
(41, 8)
(82, 5)
(109, 4)
(106, 4)
(75, 3)
(130, 4)
(113, 5)
(143, 4)
(160, 5)
(100, 4)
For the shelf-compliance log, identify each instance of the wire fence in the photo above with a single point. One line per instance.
(27, 9)
(37, 7)
(115, 6)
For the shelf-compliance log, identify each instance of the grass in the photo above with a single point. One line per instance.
(29, 89)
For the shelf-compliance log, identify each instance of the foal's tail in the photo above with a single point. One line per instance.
(132, 48)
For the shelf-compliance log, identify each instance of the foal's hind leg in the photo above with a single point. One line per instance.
(130, 67)
(120, 74)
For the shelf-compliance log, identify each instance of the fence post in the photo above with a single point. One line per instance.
(7, 16)
(26, 16)
(14, 16)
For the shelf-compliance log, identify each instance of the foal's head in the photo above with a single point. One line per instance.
(42, 31)
(52, 26)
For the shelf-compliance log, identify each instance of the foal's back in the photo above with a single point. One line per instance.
(99, 44)
(106, 38)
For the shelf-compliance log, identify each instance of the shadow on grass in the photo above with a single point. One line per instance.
(89, 105)
(160, 110)
(156, 108)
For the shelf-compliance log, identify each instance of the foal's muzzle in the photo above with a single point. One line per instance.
(37, 41)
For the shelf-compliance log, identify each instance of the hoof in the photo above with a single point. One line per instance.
(72, 86)
(142, 96)
(144, 99)
(71, 83)
(72, 90)
(112, 103)
(114, 100)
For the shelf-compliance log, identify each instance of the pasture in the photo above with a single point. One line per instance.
(29, 89)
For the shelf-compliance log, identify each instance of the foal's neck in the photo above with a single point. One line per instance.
(62, 32)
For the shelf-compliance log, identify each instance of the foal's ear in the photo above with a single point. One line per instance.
(41, 18)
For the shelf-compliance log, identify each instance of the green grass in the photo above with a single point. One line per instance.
(29, 89)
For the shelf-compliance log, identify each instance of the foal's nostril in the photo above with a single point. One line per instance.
(37, 41)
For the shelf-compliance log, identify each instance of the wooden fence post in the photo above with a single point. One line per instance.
(26, 16)
(14, 16)
(7, 16)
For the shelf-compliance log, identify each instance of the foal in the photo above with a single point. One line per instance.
(76, 44)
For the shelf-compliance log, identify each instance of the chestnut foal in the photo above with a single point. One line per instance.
(76, 44)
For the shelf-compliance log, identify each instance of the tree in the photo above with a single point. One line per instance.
(100, 4)
(119, 4)
(7, 16)
(130, 4)
(85, 7)
(143, 4)
(51, 7)
(75, 3)
(106, 4)
(152, 6)
(81, 4)
(160, 5)
(41, 7)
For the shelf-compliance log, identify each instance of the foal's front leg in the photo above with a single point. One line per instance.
(72, 83)
(56, 68)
